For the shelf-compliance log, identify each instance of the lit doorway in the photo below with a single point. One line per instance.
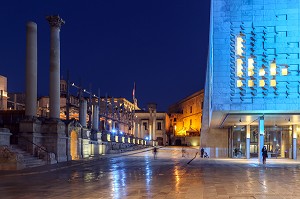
(73, 145)
(277, 139)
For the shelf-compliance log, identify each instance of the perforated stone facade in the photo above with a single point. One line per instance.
(253, 64)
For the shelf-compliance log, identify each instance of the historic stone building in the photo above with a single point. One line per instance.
(185, 120)
(3, 93)
(152, 125)
(61, 128)
(252, 95)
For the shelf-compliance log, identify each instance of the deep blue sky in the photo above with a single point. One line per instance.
(159, 44)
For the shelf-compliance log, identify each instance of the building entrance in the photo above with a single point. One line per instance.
(277, 139)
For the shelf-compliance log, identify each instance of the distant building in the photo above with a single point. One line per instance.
(16, 101)
(3, 93)
(185, 120)
(152, 125)
(116, 114)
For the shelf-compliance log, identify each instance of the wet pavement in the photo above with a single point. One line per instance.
(137, 175)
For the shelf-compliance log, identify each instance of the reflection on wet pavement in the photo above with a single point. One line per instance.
(169, 176)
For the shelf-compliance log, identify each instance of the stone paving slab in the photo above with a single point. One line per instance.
(138, 176)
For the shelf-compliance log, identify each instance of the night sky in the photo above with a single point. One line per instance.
(161, 45)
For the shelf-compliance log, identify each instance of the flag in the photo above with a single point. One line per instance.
(133, 91)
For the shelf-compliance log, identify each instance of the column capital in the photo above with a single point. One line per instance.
(55, 21)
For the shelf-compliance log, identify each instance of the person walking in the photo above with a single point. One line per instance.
(183, 152)
(202, 152)
(264, 154)
(155, 152)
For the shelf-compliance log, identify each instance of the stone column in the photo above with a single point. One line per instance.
(31, 70)
(139, 130)
(261, 138)
(95, 123)
(82, 112)
(248, 141)
(154, 125)
(54, 96)
(134, 129)
(295, 142)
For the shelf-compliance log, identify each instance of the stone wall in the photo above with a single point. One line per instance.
(4, 137)
(215, 142)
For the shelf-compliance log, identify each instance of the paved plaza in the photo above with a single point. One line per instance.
(136, 175)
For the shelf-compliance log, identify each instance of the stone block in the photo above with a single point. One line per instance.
(4, 137)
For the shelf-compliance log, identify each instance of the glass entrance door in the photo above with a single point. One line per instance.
(239, 142)
(277, 139)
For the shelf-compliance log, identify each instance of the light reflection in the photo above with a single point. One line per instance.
(148, 176)
(118, 179)
(88, 177)
(177, 178)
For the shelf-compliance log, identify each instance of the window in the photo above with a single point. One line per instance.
(250, 83)
(284, 71)
(175, 119)
(191, 109)
(262, 83)
(262, 72)
(273, 68)
(250, 67)
(239, 46)
(239, 67)
(158, 125)
(239, 83)
(145, 125)
(191, 122)
(273, 82)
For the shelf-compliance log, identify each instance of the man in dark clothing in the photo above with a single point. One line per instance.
(264, 154)
(202, 152)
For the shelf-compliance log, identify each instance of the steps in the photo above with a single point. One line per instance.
(29, 160)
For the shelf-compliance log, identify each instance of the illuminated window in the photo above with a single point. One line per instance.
(284, 71)
(239, 67)
(158, 125)
(273, 68)
(239, 83)
(273, 82)
(262, 83)
(239, 46)
(250, 67)
(116, 138)
(262, 72)
(145, 126)
(108, 137)
(250, 83)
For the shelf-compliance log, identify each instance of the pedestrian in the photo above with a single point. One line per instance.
(183, 152)
(202, 152)
(235, 152)
(155, 152)
(276, 152)
(264, 154)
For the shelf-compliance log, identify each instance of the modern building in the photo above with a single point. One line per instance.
(185, 120)
(252, 91)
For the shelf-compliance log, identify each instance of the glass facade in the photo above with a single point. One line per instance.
(277, 139)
